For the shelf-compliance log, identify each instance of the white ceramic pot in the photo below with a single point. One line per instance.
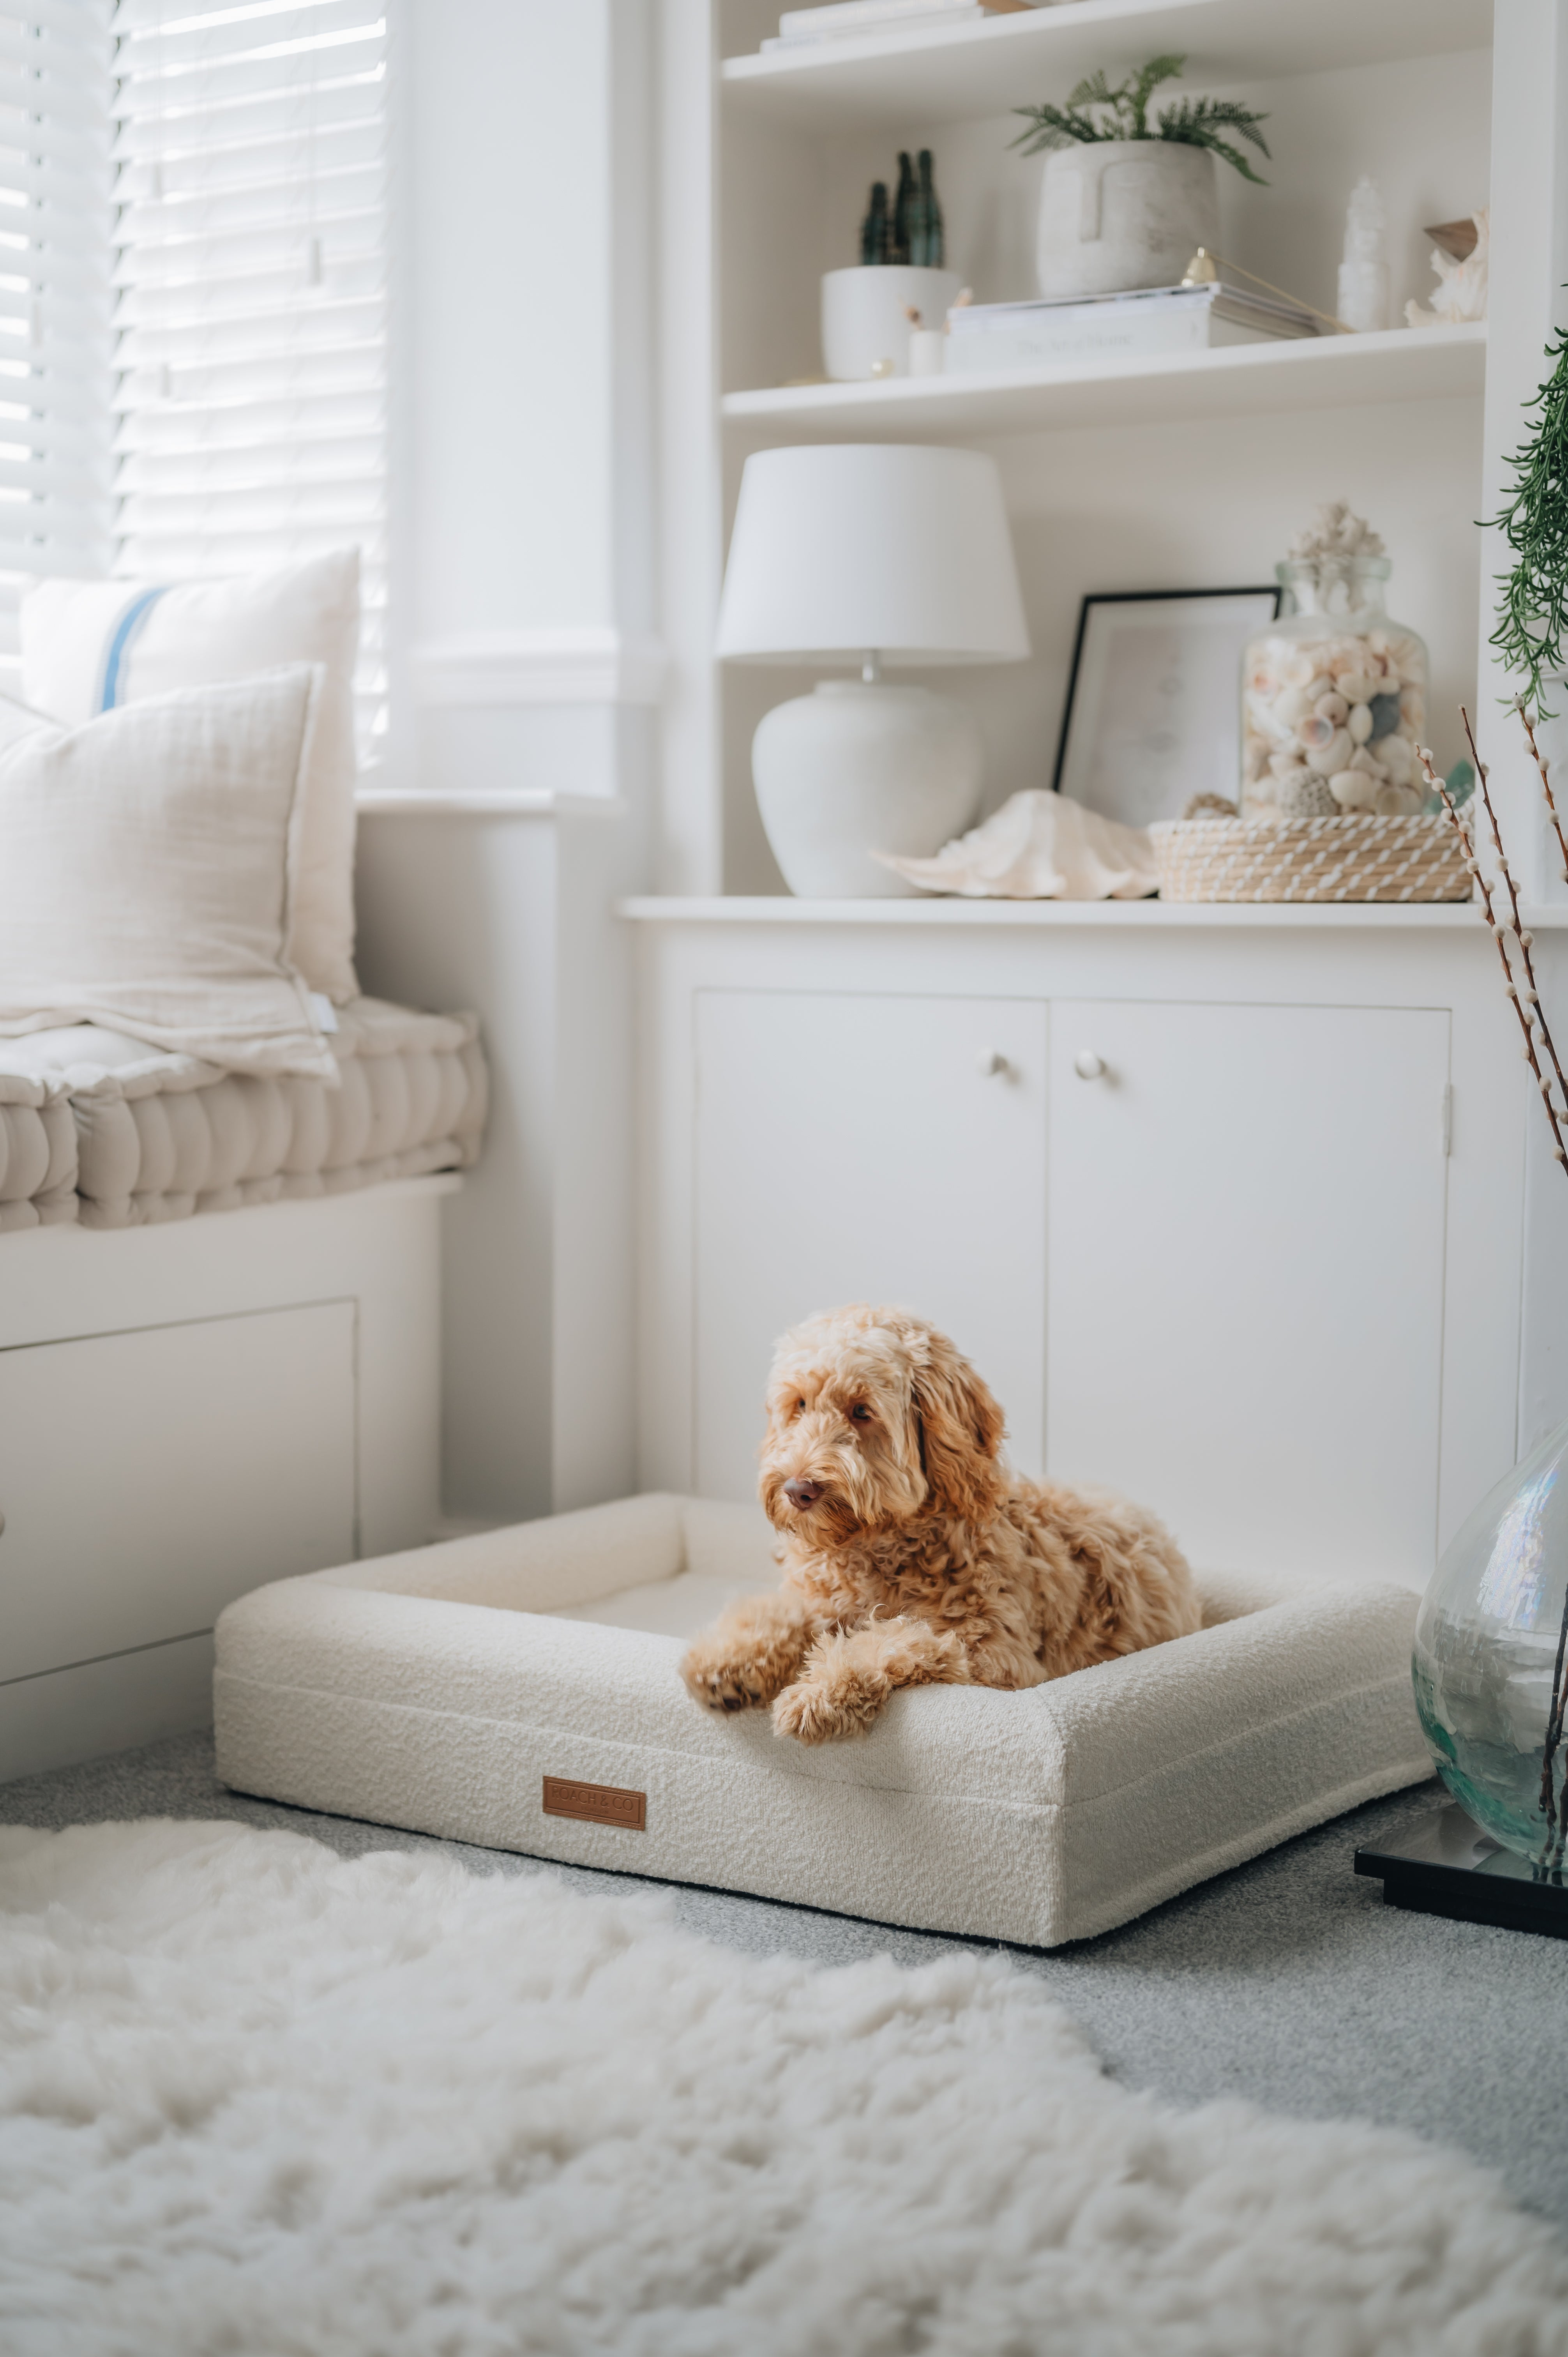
(1119, 213)
(855, 769)
(865, 321)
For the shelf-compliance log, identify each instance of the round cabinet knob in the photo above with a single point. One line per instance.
(1087, 1065)
(990, 1063)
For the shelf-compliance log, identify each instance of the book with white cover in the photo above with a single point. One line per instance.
(996, 336)
(853, 19)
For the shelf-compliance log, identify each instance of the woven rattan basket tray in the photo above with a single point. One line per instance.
(1310, 859)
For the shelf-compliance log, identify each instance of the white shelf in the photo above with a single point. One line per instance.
(525, 802)
(1319, 372)
(1442, 916)
(946, 74)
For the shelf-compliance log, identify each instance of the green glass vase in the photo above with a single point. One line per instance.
(1488, 1663)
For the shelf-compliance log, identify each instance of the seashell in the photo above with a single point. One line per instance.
(1369, 764)
(1359, 722)
(1309, 799)
(1397, 801)
(1385, 711)
(1353, 790)
(1320, 684)
(1290, 706)
(1412, 706)
(1287, 765)
(1297, 670)
(1397, 755)
(1210, 806)
(1326, 759)
(1331, 708)
(1359, 686)
(1263, 723)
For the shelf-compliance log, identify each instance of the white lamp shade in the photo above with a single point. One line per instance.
(842, 549)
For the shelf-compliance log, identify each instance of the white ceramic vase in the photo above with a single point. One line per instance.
(1120, 213)
(854, 769)
(866, 317)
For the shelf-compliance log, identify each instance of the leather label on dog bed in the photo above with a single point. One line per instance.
(600, 1804)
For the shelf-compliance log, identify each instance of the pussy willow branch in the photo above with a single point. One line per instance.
(1533, 1019)
(1530, 993)
(1499, 934)
(1539, 758)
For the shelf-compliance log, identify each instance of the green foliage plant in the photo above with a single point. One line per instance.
(1533, 611)
(1094, 111)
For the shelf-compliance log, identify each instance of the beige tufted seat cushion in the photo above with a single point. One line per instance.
(38, 1154)
(153, 1136)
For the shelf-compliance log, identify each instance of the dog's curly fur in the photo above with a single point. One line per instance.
(921, 1559)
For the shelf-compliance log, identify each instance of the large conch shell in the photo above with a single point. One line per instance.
(1039, 847)
(1461, 292)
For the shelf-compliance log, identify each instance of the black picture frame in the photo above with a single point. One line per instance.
(1076, 773)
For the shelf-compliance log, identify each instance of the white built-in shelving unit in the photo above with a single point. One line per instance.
(1158, 473)
(1245, 381)
(946, 75)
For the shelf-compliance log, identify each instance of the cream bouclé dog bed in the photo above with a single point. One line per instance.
(519, 1690)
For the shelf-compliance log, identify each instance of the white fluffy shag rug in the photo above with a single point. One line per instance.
(259, 2100)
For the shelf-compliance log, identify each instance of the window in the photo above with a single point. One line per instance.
(249, 294)
(54, 298)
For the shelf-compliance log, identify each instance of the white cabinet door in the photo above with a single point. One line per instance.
(1246, 1255)
(147, 1479)
(852, 1148)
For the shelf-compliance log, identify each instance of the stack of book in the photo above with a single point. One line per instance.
(847, 19)
(996, 336)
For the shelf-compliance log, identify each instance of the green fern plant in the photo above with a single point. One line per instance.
(1532, 612)
(1095, 111)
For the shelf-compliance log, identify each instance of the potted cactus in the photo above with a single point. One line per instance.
(1127, 200)
(868, 312)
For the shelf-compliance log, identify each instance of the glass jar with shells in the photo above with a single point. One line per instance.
(1334, 693)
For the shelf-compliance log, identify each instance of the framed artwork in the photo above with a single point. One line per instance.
(1154, 702)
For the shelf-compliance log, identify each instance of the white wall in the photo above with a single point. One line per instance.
(1530, 264)
(524, 672)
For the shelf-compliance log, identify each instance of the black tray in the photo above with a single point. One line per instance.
(1441, 1863)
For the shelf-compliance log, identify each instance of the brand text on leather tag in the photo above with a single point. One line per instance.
(601, 1804)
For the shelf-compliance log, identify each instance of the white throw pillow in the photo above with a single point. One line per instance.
(147, 870)
(89, 647)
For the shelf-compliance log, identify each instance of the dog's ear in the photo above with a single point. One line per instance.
(961, 1429)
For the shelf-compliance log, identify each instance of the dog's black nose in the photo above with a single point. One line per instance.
(802, 1493)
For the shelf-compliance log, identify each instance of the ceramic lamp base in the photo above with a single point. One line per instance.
(855, 769)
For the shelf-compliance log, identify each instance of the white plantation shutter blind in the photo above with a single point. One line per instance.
(54, 298)
(250, 279)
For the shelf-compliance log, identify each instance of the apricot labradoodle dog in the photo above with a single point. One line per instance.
(912, 1555)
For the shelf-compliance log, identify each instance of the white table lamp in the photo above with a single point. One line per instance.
(879, 554)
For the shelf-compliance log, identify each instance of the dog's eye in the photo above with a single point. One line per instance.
(797, 1408)
(860, 1413)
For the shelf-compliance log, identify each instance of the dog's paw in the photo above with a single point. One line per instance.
(817, 1710)
(725, 1683)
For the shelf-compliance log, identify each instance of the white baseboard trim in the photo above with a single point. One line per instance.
(593, 664)
(63, 1715)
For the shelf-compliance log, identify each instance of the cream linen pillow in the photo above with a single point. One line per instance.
(91, 646)
(147, 868)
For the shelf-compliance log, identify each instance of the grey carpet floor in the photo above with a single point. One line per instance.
(1287, 1981)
